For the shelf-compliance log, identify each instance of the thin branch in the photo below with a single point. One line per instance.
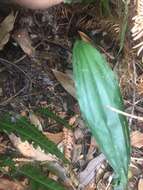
(124, 113)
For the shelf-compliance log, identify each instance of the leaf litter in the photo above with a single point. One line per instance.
(6, 28)
(47, 39)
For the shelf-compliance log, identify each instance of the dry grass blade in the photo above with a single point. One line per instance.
(55, 137)
(125, 114)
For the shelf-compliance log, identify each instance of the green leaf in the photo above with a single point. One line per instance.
(124, 26)
(35, 174)
(7, 162)
(105, 6)
(29, 132)
(37, 179)
(47, 113)
(97, 88)
(34, 185)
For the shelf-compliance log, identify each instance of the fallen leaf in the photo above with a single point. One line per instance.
(5, 28)
(27, 150)
(89, 172)
(85, 37)
(56, 138)
(140, 184)
(23, 39)
(66, 81)
(6, 184)
(137, 139)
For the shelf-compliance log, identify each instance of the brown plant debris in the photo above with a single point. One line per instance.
(6, 26)
(137, 30)
(6, 184)
(137, 139)
(68, 143)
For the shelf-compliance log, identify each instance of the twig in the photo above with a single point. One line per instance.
(6, 62)
(124, 113)
(20, 59)
(12, 97)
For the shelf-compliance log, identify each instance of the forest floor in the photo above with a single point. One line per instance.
(36, 71)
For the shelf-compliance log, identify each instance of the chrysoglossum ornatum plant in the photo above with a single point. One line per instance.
(97, 90)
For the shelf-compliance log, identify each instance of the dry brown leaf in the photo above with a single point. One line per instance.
(85, 37)
(137, 139)
(5, 28)
(6, 184)
(56, 138)
(88, 173)
(66, 81)
(23, 39)
(140, 184)
(28, 150)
